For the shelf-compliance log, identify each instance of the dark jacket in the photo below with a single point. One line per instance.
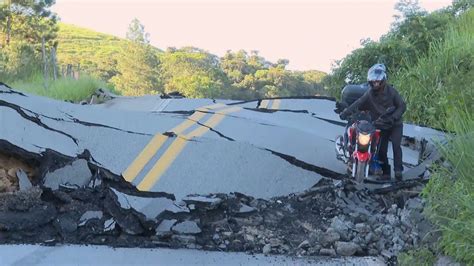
(378, 103)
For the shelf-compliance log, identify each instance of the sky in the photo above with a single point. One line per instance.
(311, 34)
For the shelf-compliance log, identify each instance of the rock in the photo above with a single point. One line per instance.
(201, 202)
(151, 208)
(387, 230)
(329, 237)
(373, 252)
(23, 182)
(414, 204)
(5, 184)
(346, 248)
(267, 249)
(327, 252)
(32, 219)
(187, 227)
(387, 254)
(253, 220)
(244, 209)
(446, 261)
(12, 171)
(340, 227)
(66, 224)
(275, 242)
(362, 228)
(249, 238)
(184, 239)
(74, 175)
(392, 219)
(3, 173)
(371, 237)
(165, 226)
(89, 215)
(109, 225)
(304, 245)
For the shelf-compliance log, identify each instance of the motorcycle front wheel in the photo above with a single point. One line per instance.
(359, 171)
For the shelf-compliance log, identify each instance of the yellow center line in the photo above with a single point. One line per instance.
(158, 140)
(145, 155)
(176, 147)
(276, 104)
(162, 165)
(264, 103)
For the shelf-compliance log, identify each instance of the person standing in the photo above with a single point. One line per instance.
(380, 97)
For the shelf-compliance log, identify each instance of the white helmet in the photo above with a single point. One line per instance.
(377, 72)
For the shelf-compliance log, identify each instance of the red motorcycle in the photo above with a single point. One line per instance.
(358, 147)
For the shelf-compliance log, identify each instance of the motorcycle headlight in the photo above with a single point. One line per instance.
(364, 139)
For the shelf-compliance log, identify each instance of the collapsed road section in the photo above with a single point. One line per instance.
(82, 204)
(258, 176)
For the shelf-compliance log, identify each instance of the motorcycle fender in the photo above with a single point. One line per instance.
(362, 156)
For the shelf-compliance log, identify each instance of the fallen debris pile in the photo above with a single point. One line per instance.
(82, 205)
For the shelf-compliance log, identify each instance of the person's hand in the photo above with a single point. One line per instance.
(339, 107)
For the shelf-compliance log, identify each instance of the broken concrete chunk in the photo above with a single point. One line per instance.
(184, 239)
(75, 175)
(66, 224)
(187, 227)
(267, 249)
(209, 203)
(246, 209)
(32, 219)
(327, 252)
(165, 225)
(150, 207)
(109, 225)
(23, 181)
(346, 248)
(305, 244)
(89, 215)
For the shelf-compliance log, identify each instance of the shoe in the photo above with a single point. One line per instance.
(398, 176)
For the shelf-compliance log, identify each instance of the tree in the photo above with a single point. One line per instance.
(194, 73)
(137, 65)
(23, 25)
(136, 32)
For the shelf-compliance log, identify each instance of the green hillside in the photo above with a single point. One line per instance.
(137, 68)
(95, 52)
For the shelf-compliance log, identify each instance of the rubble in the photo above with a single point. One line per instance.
(333, 218)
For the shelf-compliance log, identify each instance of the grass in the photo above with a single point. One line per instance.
(62, 89)
(443, 79)
(419, 257)
(450, 192)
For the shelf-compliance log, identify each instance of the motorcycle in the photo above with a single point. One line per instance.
(359, 145)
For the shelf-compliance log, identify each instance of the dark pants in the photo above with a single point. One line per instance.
(395, 135)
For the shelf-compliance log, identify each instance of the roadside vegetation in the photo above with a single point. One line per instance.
(68, 89)
(430, 58)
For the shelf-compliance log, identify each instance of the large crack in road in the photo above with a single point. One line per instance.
(51, 198)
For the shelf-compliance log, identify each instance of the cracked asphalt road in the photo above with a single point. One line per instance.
(121, 174)
(188, 146)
